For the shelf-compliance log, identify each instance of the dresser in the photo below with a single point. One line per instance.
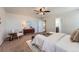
(26, 31)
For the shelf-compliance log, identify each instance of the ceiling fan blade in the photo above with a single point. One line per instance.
(37, 13)
(46, 11)
(43, 13)
(36, 10)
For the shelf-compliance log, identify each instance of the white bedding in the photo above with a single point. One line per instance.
(66, 45)
(47, 43)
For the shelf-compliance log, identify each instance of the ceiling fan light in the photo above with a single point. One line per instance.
(41, 13)
(43, 9)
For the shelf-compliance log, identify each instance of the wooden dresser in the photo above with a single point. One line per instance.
(26, 31)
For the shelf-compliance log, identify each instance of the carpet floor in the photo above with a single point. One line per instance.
(17, 45)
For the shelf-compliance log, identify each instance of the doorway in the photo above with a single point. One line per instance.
(58, 24)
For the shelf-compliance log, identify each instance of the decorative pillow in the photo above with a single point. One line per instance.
(73, 34)
(76, 37)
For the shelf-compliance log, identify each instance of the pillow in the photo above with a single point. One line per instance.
(73, 34)
(76, 37)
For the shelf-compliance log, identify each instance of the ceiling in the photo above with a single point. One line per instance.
(29, 10)
(19, 10)
(62, 10)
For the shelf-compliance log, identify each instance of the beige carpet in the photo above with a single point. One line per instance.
(17, 45)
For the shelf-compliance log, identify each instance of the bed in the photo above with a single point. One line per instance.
(66, 45)
(47, 43)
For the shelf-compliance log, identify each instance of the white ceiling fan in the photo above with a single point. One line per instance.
(41, 11)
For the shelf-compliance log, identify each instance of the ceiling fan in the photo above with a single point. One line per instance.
(42, 11)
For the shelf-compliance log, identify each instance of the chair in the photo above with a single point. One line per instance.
(19, 33)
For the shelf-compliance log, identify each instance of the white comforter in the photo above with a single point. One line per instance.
(47, 43)
(66, 45)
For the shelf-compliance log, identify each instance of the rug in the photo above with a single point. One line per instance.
(32, 47)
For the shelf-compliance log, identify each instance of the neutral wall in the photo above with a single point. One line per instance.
(70, 21)
(2, 28)
(14, 22)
